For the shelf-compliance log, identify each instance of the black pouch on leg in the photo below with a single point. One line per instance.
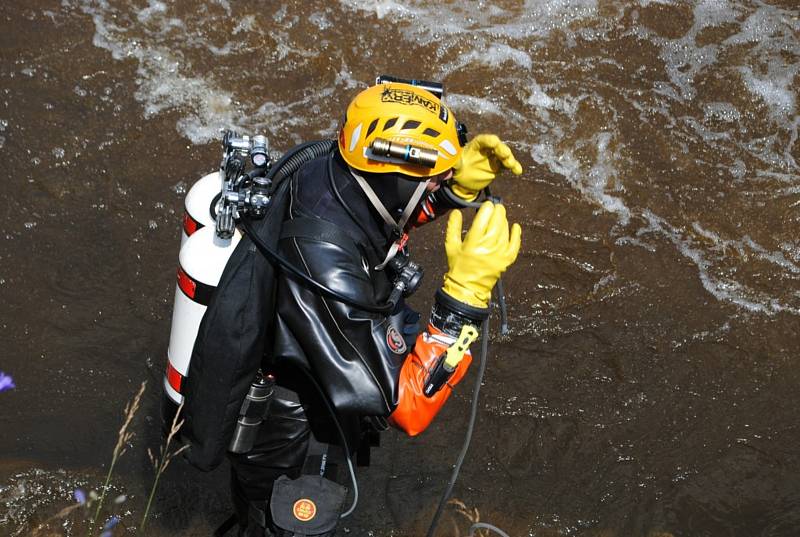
(309, 506)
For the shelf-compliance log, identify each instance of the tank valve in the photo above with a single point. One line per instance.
(242, 192)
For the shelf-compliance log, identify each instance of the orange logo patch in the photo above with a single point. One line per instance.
(304, 510)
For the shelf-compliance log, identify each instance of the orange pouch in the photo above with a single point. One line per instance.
(415, 411)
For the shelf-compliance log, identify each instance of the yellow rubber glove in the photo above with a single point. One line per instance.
(477, 262)
(480, 162)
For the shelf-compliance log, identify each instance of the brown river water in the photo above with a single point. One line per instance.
(649, 384)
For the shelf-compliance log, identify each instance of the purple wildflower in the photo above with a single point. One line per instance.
(107, 533)
(110, 523)
(80, 496)
(6, 382)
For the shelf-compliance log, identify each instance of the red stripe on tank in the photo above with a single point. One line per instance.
(186, 283)
(174, 378)
(190, 225)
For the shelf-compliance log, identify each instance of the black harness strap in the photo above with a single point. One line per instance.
(321, 230)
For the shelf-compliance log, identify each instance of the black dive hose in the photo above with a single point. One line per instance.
(291, 162)
(501, 303)
(470, 428)
(342, 437)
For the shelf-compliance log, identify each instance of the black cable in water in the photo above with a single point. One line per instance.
(501, 291)
(470, 428)
(501, 302)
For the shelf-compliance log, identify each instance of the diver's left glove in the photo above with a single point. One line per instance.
(481, 160)
(440, 357)
(477, 261)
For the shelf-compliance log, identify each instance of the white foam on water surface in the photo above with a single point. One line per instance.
(162, 43)
(792, 250)
(776, 91)
(704, 132)
(496, 55)
(475, 105)
(27, 494)
(225, 4)
(745, 246)
(722, 111)
(382, 8)
(683, 58)
(790, 145)
(771, 33)
(155, 7)
(539, 112)
(766, 23)
(447, 20)
(767, 31)
(594, 182)
(162, 84)
(723, 288)
(320, 21)
(538, 98)
(3, 128)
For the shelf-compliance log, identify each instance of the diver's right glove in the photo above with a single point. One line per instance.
(477, 261)
(481, 160)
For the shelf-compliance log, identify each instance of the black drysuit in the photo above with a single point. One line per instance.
(334, 235)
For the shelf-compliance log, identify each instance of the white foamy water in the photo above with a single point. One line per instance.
(530, 78)
(448, 20)
(206, 95)
(592, 183)
(727, 289)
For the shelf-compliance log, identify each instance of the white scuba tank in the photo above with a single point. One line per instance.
(202, 259)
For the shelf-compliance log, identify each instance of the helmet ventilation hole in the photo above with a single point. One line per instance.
(371, 127)
(390, 123)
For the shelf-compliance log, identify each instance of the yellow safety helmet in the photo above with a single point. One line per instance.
(416, 133)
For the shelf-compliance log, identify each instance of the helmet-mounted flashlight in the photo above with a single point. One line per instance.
(410, 153)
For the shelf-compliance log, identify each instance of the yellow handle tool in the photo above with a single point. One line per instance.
(449, 360)
(456, 351)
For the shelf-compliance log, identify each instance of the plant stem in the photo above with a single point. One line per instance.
(123, 437)
(160, 464)
(102, 496)
(149, 502)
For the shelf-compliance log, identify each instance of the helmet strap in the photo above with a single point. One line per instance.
(398, 225)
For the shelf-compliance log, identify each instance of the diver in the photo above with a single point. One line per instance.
(334, 372)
